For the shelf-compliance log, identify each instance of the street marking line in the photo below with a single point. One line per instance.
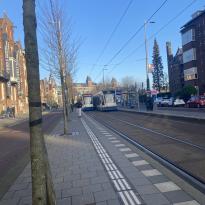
(128, 198)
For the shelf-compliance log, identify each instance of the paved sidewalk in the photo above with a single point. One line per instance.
(93, 166)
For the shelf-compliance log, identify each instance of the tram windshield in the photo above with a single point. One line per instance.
(87, 100)
(109, 98)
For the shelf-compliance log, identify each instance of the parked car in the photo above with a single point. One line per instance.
(178, 103)
(166, 102)
(158, 101)
(196, 101)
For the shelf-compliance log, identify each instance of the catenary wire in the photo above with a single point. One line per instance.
(133, 36)
(154, 35)
(111, 36)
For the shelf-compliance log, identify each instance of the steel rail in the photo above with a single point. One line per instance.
(182, 173)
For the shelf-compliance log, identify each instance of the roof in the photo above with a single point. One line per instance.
(195, 16)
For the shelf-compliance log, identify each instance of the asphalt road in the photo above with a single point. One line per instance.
(164, 137)
(14, 148)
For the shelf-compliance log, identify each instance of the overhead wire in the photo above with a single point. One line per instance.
(156, 33)
(133, 36)
(111, 35)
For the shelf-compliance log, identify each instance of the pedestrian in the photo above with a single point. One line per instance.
(13, 112)
(7, 112)
(79, 107)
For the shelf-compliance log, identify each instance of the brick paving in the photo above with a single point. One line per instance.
(93, 166)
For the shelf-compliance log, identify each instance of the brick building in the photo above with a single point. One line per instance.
(50, 92)
(84, 88)
(175, 69)
(13, 77)
(193, 44)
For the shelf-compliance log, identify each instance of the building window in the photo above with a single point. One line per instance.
(188, 36)
(189, 55)
(190, 74)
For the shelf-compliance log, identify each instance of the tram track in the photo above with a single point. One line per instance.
(173, 152)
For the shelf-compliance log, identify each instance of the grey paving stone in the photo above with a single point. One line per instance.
(107, 185)
(105, 195)
(101, 203)
(99, 180)
(158, 179)
(146, 189)
(64, 185)
(144, 167)
(152, 199)
(139, 181)
(25, 201)
(81, 182)
(92, 188)
(177, 196)
(9, 202)
(83, 199)
(66, 201)
(21, 186)
(71, 192)
(8, 195)
(113, 202)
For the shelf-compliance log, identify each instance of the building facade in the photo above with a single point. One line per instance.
(193, 44)
(50, 94)
(13, 76)
(175, 69)
(84, 88)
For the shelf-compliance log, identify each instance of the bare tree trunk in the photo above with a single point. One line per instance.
(41, 178)
(65, 118)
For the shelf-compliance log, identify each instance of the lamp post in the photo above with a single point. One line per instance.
(146, 53)
(104, 75)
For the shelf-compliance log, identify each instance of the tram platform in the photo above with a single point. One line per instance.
(94, 166)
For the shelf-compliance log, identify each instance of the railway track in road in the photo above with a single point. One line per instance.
(181, 152)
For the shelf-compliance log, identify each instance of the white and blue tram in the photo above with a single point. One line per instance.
(87, 101)
(105, 100)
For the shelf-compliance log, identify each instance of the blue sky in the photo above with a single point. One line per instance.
(94, 20)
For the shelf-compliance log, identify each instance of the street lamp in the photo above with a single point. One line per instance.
(146, 52)
(104, 75)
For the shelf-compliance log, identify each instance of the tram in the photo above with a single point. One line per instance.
(87, 101)
(105, 100)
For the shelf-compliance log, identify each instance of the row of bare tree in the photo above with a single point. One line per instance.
(59, 56)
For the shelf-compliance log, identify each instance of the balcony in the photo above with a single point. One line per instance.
(13, 80)
(4, 76)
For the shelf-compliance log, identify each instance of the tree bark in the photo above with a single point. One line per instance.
(42, 188)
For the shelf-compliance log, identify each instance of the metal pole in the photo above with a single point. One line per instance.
(146, 53)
